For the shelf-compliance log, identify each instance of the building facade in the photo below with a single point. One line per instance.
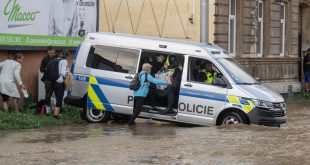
(267, 37)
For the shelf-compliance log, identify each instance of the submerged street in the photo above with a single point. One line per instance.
(152, 142)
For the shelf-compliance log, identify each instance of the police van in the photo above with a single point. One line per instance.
(105, 63)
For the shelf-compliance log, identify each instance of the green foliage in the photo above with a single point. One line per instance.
(300, 98)
(29, 120)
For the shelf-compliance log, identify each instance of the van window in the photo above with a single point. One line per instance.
(236, 71)
(113, 59)
(202, 70)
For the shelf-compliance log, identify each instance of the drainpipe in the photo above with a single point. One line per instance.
(204, 21)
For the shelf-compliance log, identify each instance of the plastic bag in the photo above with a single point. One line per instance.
(161, 75)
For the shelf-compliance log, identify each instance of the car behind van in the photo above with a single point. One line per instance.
(105, 63)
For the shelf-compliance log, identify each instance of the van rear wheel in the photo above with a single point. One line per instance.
(232, 118)
(96, 115)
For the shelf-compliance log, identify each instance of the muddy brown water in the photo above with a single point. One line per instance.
(151, 142)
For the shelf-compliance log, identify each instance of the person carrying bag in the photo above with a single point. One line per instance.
(145, 79)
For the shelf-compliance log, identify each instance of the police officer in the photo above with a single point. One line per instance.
(159, 63)
(210, 74)
(174, 87)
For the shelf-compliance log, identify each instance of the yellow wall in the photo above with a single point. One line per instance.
(147, 17)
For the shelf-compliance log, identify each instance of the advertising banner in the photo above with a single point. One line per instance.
(46, 22)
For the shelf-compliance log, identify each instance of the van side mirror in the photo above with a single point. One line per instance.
(219, 82)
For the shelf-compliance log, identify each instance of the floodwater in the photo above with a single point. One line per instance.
(151, 142)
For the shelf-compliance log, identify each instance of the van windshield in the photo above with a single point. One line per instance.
(236, 71)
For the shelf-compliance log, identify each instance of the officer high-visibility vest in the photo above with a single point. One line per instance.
(210, 77)
(167, 61)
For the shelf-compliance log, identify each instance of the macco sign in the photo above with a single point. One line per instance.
(15, 13)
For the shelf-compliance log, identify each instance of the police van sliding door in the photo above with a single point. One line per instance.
(199, 100)
(112, 70)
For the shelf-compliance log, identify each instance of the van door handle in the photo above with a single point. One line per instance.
(188, 85)
(129, 77)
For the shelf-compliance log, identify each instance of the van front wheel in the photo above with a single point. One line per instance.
(96, 115)
(232, 118)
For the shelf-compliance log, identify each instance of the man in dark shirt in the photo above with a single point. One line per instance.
(48, 84)
(307, 71)
(174, 88)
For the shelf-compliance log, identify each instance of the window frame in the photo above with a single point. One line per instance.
(121, 49)
(282, 25)
(232, 17)
(190, 70)
(260, 34)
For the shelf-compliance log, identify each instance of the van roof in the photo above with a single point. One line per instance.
(156, 44)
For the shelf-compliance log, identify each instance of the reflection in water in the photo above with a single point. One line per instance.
(150, 142)
(77, 132)
(54, 135)
(152, 130)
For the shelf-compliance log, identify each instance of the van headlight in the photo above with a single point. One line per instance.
(263, 104)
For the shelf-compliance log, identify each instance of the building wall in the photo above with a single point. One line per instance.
(212, 20)
(247, 26)
(161, 18)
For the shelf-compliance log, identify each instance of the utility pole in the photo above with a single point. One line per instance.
(204, 21)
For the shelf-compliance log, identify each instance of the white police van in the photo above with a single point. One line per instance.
(105, 63)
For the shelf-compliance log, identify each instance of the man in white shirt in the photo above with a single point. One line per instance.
(63, 18)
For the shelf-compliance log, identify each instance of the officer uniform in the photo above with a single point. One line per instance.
(209, 76)
(174, 87)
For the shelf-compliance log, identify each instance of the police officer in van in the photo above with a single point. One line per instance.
(209, 73)
(205, 72)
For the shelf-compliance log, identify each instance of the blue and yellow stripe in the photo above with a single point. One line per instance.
(246, 104)
(96, 98)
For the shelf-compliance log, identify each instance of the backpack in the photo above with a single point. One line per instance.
(135, 84)
(68, 81)
(41, 108)
(52, 70)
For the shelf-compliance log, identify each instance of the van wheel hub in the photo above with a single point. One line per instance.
(95, 114)
(231, 120)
